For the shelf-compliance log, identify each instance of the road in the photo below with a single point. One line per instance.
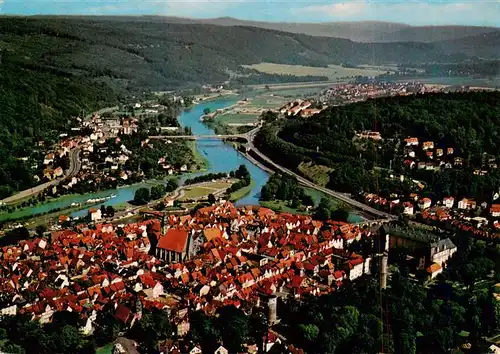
(349, 201)
(74, 167)
(74, 162)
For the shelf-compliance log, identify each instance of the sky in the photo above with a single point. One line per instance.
(413, 12)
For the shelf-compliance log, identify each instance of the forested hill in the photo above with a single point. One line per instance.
(165, 55)
(51, 68)
(467, 122)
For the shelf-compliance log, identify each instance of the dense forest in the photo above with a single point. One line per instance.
(468, 122)
(155, 54)
(37, 103)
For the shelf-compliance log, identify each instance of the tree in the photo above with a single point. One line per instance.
(206, 111)
(269, 116)
(211, 199)
(309, 332)
(158, 191)
(172, 185)
(307, 200)
(340, 214)
(152, 327)
(110, 211)
(40, 230)
(234, 327)
(142, 196)
(324, 209)
(242, 172)
(204, 331)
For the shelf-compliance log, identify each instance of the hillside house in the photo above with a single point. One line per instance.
(424, 203)
(495, 210)
(408, 208)
(467, 204)
(428, 145)
(448, 202)
(411, 141)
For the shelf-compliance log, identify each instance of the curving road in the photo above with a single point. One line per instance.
(74, 168)
(354, 203)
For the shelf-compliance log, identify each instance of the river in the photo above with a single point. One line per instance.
(221, 157)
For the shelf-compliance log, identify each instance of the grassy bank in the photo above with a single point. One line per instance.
(200, 160)
(235, 196)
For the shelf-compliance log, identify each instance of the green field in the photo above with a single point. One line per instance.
(333, 72)
(267, 101)
(107, 349)
(203, 191)
(237, 118)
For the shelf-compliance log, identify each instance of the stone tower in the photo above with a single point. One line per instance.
(383, 270)
(272, 304)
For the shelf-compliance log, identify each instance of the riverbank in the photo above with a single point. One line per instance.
(240, 193)
(199, 159)
(215, 154)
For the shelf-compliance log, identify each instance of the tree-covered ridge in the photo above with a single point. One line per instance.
(159, 54)
(468, 121)
(36, 105)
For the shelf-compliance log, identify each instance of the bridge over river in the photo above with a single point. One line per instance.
(248, 136)
(201, 137)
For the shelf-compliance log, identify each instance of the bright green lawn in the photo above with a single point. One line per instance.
(198, 157)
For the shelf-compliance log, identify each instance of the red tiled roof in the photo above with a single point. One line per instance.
(123, 313)
(212, 233)
(175, 240)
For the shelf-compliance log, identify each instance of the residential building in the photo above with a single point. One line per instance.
(448, 202)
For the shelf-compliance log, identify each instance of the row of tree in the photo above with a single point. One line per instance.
(144, 195)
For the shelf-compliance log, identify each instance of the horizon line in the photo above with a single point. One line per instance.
(244, 20)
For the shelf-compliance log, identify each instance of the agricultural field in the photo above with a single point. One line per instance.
(333, 72)
(249, 112)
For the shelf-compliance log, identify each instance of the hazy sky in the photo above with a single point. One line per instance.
(415, 12)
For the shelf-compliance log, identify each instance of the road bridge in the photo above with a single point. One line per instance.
(248, 136)
(200, 137)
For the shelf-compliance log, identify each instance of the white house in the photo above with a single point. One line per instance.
(408, 208)
(424, 203)
(95, 214)
(466, 204)
(448, 202)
